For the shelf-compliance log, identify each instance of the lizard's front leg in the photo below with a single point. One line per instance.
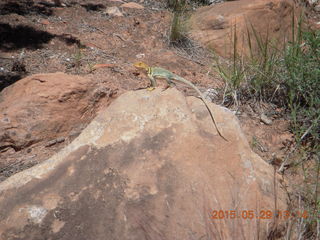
(153, 83)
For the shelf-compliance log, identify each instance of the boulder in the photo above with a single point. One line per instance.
(42, 113)
(150, 166)
(215, 26)
(43, 107)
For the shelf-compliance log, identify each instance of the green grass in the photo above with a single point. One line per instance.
(288, 77)
(302, 83)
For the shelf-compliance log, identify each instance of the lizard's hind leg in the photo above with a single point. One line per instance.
(170, 84)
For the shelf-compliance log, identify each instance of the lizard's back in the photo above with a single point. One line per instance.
(161, 72)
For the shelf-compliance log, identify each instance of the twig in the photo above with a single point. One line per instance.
(119, 36)
(309, 129)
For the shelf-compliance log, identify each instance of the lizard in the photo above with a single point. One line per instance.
(158, 72)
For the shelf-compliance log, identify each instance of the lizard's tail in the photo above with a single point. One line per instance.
(180, 79)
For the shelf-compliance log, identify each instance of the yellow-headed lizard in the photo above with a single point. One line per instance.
(157, 72)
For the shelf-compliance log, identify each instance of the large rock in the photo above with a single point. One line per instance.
(215, 25)
(41, 113)
(43, 107)
(151, 166)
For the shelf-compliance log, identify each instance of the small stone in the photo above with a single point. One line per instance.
(114, 12)
(265, 119)
(37, 213)
(45, 22)
(218, 23)
(132, 5)
(210, 94)
(140, 55)
(55, 141)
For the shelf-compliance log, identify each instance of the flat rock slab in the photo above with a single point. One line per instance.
(151, 166)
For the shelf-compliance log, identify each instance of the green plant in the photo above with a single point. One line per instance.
(233, 71)
(288, 76)
(302, 82)
(178, 30)
(91, 67)
(177, 33)
(77, 59)
(263, 65)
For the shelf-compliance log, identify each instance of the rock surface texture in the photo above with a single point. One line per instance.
(41, 106)
(150, 166)
(43, 110)
(215, 26)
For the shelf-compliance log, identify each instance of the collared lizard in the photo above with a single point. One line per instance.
(157, 72)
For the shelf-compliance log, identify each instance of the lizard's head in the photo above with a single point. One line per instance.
(141, 65)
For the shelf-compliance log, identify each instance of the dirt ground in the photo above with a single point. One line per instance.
(38, 37)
